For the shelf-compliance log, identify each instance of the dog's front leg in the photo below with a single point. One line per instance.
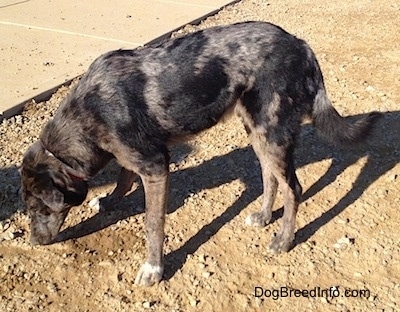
(124, 185)
(156, 190)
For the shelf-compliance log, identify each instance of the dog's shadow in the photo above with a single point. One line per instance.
(10, 195)
(382, 152)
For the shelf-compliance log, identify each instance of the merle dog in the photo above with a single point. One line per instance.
(131, 105)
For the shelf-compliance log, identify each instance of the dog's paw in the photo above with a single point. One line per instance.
(279, 244)
(257, 219)
(148, 275)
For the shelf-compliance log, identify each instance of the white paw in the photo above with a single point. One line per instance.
(149, 274)
(256, 219)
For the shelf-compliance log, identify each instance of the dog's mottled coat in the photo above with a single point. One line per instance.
(132, 104)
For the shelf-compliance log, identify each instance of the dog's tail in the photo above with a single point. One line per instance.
(336, 128)
(327, 121)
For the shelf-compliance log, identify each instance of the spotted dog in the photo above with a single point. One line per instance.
(132, 105)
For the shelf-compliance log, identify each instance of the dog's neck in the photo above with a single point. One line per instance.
(73, 173)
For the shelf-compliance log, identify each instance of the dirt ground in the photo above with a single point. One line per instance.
(348, 225)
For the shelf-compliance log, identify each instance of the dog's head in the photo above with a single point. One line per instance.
(49, 191)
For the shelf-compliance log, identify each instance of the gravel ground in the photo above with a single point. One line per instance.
(347, 228)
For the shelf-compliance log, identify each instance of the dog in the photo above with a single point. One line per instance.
(132, 105)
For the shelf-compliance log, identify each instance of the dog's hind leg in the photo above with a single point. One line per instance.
(272, 133)
(270, 185)
(282, 166)
(277, 167)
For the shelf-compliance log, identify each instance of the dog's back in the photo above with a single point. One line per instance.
(175, 82)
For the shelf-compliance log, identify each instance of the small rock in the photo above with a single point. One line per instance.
(94, 203)
(343, 221)
(42, 296)
(371, 298)
(344, 241)
(147, 304)
(52, 287)
(177, 239)
(206, 274)
(138, 305)
(357, 274)
(202, 258)
(4, 225)
(383, 217)
(370, 89)
(193, 302)
(11, 236)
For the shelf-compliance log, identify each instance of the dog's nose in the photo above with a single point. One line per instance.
(37, 240)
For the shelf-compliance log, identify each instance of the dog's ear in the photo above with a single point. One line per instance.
(59, 191)
(43, 187)
(52, 198)
(73, 189)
